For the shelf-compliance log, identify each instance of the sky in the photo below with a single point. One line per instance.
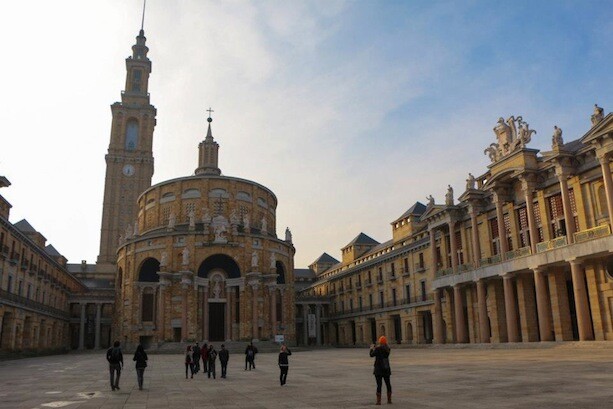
(350, 111)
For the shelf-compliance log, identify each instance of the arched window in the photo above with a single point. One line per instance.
(131, 135)
(148, 271)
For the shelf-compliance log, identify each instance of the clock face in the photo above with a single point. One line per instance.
(128, 170)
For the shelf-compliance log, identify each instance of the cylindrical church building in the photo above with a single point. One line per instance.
(203, 262)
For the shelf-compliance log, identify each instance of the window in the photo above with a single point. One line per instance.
(381, 299)
(424, 296)
(524, 234)
(407, 289)
(494, 235)
(380, 276)
(360, 303)
(147, 309)
(421, 260)
(131, 135)
(20, 287)
(29, 291)
(406, 265)
(136, 80)
(393, 269)
(394, 296)
(9, 285)
(370, 300)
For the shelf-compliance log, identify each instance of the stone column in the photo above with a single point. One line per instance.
(568, 213)
(273, 311)
(318, 323)
(281, 294)
(438, 317)
(184, 314)
(255, 311)
(433, 250)
(453, 247)
(584, 321)
(542, 305)
(502, 231)
(460, 322)
(228, 313)
(484, 323)
(510, 308)
(98, 317)
(608, 184)
(160, 317)
(534, 237)
(82, 327)
(205, 313)
(475, 237)
(305, 311)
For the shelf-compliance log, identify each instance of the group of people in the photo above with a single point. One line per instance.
(209, 355)
(193, 354)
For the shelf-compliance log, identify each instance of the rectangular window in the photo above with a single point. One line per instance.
(393, 269)
(424, 296)
(360, 303)
(408, 293)
(370, 300)
(421, 260)
(406, 265)
(136, 80)
(9, 285)
(29, 291)
(381, 299)
(394, 296)
(380, 276)
(20, 288)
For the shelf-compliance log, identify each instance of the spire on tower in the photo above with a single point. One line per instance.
(142, 23)
(208, 151)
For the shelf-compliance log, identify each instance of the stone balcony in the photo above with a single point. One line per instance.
(591, 242)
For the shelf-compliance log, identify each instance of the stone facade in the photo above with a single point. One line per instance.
(204, 262)
(35, 288)
(525, 255)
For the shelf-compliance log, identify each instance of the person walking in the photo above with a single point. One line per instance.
(189, 361)
(196, 352)
(140, 356)
(224, 356)
(115, 360)
(204, 352)
(212, 358)
(250, 352)
(382, 371)
(284, 363)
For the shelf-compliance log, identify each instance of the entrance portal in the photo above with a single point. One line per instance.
(217, 327)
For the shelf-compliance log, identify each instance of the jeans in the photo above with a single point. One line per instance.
(115, 369)
(191, 368)
(388, 385)
(196, 363)
(140, 372)
(211, 369)
(205, 364)
(283, 375)
(224, 368)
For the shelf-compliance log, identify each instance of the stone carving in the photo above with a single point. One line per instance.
(511, 135)
(598, 114)
(273, 261)
(556, 139)
(164, 261)
(185, 257)
(288, 235)
(172, 221)
(246, 225)
(220, 228)
(430, 200)
(254, 259)
(470, 182)
(264, 228)
(192, 219)
(136, 228)
(206, 216)
(234, 217)
(449, 196)
(217, 288)
(128, 232)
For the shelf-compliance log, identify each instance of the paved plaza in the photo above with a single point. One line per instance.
(565, 376)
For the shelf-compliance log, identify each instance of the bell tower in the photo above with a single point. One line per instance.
(129, 161)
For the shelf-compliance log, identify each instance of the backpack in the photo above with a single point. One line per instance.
(115, 355)
(250, 353)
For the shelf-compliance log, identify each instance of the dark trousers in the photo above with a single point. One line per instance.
(211, 369)
(250, 362)
(115, 372)
(224, 368)
(140, 373)
(196, 363)
(189, 366)
(388, 385)
(205, 364)
(283, 375)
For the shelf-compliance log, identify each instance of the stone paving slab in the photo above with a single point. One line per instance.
(333, 378)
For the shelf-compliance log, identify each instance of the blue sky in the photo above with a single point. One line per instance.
(349, 111)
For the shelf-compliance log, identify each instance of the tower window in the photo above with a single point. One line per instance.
(136, 79)
(131, 135)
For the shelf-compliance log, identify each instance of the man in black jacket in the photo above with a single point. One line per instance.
(224, 356)
(196, 360)
(115, 359)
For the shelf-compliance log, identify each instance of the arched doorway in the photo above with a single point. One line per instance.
(218, 301)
